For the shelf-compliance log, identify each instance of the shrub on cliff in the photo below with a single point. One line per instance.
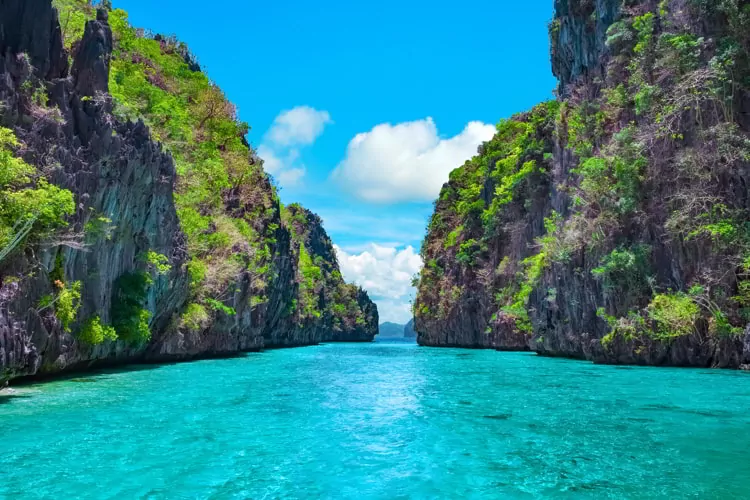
(674, 315)
(94, 332)
(30, 208)
(66, 301)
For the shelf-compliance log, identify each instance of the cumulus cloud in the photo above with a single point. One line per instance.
(406, 162)
(298, 126)
(386, 273)
(292, 129)
(284, 165)
(271, 162)
(291, 176)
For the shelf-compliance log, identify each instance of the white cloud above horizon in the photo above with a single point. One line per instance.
(386, 273)
(406, 162)
(291, 129)
(299, 126)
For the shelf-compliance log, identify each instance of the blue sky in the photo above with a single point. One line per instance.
(361, 109)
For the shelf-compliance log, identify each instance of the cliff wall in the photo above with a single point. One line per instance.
(153, 259)
(611, 223)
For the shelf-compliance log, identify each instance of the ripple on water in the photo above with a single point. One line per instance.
(378, 422)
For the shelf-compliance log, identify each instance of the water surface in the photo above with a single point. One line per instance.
(380, 421)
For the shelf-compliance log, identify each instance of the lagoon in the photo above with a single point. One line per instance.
(379, 421)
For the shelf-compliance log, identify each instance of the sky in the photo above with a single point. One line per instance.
(360, 110)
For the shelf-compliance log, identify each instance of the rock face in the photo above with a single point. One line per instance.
(578, 37)
(33, 28)
(121, 176)
(331, 309)
(608, 225)
(91, 67)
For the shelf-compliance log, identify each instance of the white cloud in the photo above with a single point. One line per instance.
(386, 273)
(406, 162)
(298, 126)
(271, 163)
(284, 166)
(291, 177)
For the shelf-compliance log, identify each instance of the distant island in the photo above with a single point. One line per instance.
(390, 330)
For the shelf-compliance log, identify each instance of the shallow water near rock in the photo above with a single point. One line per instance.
(379, 421)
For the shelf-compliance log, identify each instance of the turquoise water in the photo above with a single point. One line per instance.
(380, 421)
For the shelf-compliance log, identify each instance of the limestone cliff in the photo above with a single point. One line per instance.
(610, 224)
(143, 271)
(328, 308)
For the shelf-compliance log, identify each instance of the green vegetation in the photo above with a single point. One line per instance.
(66, 302)
(644, 27)
(517, 150)
(311, 276)
(216, 305)
(585, 127)
(625, 269)
(674, 314)
(612, 184)
(195, 317)
(510, 183)
(98, 227)
(31, 209)
(719, 224)
(452, 239)
(73, 17)
(680, 51)
(468, 252)
(629, 328)
(158, 263)
(514, 298)
(532, 272)
(94, 333)
(197, 271)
